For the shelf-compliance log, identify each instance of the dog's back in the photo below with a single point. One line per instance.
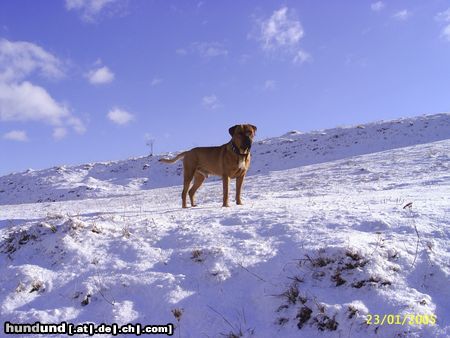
(205, 159)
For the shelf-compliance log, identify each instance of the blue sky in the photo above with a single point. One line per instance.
(91, 80)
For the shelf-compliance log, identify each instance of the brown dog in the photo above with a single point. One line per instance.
(230, 160)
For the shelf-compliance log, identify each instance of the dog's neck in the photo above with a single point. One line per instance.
(236, 150)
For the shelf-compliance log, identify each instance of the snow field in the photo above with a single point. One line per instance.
(313, 251)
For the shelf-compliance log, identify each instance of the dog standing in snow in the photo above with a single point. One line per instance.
(230, 160)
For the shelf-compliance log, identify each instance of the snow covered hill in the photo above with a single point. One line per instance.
(315, 251)
(291, 150)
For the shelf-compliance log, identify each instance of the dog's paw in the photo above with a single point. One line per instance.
(225, 205)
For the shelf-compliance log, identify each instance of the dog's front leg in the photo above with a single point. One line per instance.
(239, 181)
(226, 183)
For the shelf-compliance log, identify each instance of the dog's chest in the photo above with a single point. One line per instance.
(241, 163)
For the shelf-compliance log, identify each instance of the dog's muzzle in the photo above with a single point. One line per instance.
(247, 143)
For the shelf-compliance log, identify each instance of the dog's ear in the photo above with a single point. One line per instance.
(254, 128)
(232, 129)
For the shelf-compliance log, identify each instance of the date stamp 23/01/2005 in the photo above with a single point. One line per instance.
(405, 319)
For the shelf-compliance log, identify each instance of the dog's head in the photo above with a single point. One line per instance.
(242, 136)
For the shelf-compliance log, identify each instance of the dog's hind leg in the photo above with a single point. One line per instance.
(188, 175)
(198, 180)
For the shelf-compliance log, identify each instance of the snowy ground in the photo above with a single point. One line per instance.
(314, 250)
(292, 150)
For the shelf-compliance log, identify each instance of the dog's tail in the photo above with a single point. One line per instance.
(173, 160)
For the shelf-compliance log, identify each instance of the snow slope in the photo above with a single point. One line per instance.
(313, 252)
(292, 150)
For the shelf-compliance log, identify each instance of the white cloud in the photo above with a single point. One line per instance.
(19, 59)
(120, 116)
(269, 85)
(89, 9)
(210, 102)
(446, 32)
(76, 124)
(59, 133)
(210, 49)
(281, 34)
(27, 102)
(355, 60)
(100, 75)
(301, 57)
(402, 15)
(206, 50)
(156, 81)
(16, 135)
(23, 101)
(181, 51)
(244, 58)
(377, 6)
(445, 17)
(281, 30)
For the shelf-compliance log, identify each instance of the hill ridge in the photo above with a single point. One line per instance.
(292, 149)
